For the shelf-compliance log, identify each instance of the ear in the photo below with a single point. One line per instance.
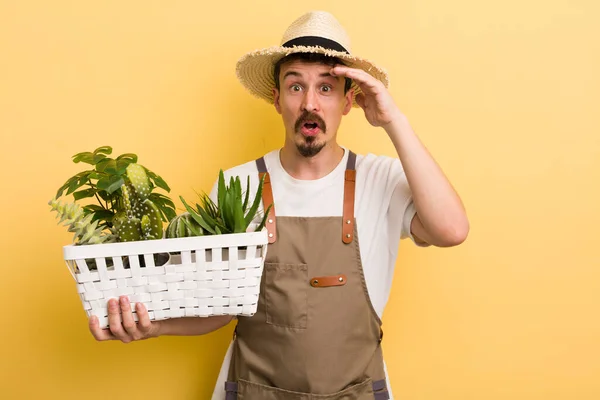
(348, 101)
(276, 100)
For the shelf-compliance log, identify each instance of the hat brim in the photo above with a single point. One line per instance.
(255, 69)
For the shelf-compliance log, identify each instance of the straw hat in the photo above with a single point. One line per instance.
(313, 32)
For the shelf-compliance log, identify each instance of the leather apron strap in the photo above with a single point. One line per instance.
(349, 188)
(267, 198)
(348, 211)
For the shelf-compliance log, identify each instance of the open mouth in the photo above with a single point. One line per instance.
(310, 128)
(310, 125)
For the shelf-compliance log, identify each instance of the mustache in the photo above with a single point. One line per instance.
(309, 117)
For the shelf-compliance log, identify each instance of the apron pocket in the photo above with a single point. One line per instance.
(286, 294)
(254, 391)
(359, 391)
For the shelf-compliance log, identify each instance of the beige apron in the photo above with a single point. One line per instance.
(315, 334)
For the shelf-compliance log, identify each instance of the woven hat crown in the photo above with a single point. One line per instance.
(318, 24)
(313, 32)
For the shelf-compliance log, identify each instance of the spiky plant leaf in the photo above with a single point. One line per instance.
(197, 217)
(257, 199)
(85, 230)
(221, 193)
(262, 223)
(194, 230)
(247, 198)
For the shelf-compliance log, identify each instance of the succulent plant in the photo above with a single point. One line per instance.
(140, 219)
(85, 230)
(231, 214)
(183, 225)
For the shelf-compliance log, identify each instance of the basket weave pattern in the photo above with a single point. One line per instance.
(204, 275)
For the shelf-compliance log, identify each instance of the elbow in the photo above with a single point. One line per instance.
(455, 234)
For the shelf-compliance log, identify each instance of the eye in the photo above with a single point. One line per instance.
(295, 88)
(326, 88)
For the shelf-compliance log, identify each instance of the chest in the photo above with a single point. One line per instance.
(309, 200)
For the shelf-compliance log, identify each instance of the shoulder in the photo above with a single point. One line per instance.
(379, 169)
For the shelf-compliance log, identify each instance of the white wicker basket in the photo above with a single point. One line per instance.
(207, 275)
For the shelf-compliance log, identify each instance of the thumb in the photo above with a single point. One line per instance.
(360, 100)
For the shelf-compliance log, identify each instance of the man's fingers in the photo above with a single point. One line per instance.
(99, 333)
(114, 321)
(144, 323)
(121, 323)
(363, 79)
(127, 317)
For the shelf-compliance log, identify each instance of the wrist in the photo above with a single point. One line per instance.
(159, 329)
(397, 127)
(395, 123)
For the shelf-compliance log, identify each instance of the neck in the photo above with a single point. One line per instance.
(310, 168)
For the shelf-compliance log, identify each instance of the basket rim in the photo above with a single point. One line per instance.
(165, 245)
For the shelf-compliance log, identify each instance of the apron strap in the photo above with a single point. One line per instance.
(351, 164)
(267, 198)
(379, 389)
(230, 390)
(349, 189)
(349, 192)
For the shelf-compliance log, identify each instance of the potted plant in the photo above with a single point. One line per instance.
(120, 247)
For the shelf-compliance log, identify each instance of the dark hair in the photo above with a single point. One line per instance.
(313, 58)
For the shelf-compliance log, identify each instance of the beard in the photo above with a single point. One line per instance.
(309, 146)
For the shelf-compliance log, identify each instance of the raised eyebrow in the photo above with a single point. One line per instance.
(328, 75)
(297, 74)
(291, 73)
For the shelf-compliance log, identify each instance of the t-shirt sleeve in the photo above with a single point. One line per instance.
(402, 207)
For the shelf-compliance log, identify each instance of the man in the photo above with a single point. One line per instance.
(334, 227)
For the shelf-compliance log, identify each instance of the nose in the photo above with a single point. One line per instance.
(311, 101)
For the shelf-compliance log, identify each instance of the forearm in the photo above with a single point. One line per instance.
(192, 326)
(438, 206)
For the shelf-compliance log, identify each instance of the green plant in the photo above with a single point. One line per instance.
(231, 214)
(127, 206)
(85, 230)
(140, 219)
(183, 225)
(105, 182)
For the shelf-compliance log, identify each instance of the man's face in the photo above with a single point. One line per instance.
(311, 103)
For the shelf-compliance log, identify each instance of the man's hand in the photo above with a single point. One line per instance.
(375, 100)
(122, 326)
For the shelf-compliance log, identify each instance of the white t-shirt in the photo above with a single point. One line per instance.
(383, 209)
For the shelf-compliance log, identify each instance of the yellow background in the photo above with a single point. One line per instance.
(504, 94)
